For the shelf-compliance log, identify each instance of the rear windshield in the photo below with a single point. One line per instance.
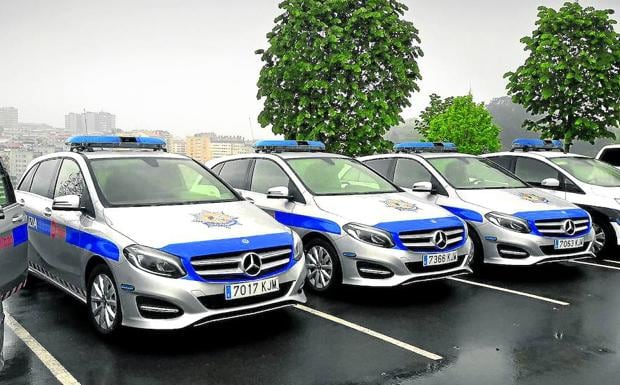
(153, 181)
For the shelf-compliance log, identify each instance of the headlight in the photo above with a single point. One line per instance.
(509, 222)
(369, 234)
(154, 261)
(298, 247)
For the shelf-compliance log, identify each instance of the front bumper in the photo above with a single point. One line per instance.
(200, 302)
(405, 266)
(502, 247)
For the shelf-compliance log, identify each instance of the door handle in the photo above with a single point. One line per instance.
(47, 212)
(21, 202)
(18, 218)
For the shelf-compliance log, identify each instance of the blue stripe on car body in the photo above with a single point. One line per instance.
(532, 216)
(307, 222)
(466, 214)
(20, 235)
(395, 228)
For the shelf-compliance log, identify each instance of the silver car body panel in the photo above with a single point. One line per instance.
(63, 243)
(526, 203)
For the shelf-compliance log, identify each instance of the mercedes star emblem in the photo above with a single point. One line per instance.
(440, 239)
(251, 264)
(569, 227)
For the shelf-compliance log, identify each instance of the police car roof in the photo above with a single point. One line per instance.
(129, 154)
(542, 154)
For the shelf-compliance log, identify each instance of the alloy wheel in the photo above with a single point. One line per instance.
(103, 301)
(320, 267)
(599, 239)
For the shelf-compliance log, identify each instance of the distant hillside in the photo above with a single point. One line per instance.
(403, 132)
(510, 116)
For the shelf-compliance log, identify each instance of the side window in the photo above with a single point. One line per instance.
(70, 180)
(381, 166)
(571, 187)
(44, 178)
(611, 156)
(504, 161)
(268, 174)
(7, 196)
(27, 181)
(218, 167)
(408, 172)
(534, 171)
(235, 172)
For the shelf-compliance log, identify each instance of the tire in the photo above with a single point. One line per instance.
(101, 282)
(319, 250)
(478, 260)
(604, 238)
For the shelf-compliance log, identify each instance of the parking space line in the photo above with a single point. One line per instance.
(611, 261)
(370, 332)
(58, 371)
(597, 265)
(521, 293)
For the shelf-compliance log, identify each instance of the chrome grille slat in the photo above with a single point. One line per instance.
(271, 265)
(211, 262)
(274, 253)
(555, 226)
(423, 241)
(229, 265)
(219, 271)
(428, 235)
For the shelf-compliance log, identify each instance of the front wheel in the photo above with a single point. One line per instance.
(604, 238)
(324, 271)
(104, 306)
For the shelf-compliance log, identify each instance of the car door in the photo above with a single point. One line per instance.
(64, 225)
(534, 171)
(236, 173)
(267, 174)
(13, 240)
(407, 172)
(37, 201)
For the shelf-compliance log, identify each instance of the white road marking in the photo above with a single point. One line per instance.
(611, 261)
(597, 265)
(371, 333)
(521, 293)
(58, 371)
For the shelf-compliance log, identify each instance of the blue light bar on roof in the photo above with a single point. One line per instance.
(527, 144)
(289, 146)
(425, 147)
(89, 142)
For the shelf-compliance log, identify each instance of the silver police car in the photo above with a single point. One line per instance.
(149, 239)
(510, 222)
(357, 227)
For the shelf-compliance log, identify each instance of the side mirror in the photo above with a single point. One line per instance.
(1, 213)
(67, 203)
(550, 182)
(423, 187)
(279, 192)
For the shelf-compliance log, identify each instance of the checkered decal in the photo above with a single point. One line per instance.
(13, 290)
(70, 287)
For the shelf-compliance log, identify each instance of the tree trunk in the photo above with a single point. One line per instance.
(568, 142)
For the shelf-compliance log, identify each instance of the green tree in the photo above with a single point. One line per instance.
(466, 124)
(340, 71)
(572, 75)
(436, 106)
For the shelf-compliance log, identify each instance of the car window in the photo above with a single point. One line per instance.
(44, 178)
(149, 181)
(409, 171)
(268, 174)
(382, 166)
(590, 170)
(463, 172)
(534, 171)
(611, 156)
(27, 180)
(7, 196)
(235, 172)
(70, 180)
(504, 161)
(217, 168)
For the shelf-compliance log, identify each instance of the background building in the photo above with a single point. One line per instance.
(8, 118)
(90, 122)
(198, 147)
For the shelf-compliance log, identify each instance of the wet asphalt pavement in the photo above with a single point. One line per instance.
(484, 336)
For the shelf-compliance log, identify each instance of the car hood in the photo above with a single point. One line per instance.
(198, 228)
(608, 192)
(379, 208)
(511, 201)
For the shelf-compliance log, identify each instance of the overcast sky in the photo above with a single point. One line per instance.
(189, 66)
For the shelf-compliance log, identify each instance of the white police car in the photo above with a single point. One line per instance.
(153, 240)
(510, 222)
(586, 182)
(357, 227)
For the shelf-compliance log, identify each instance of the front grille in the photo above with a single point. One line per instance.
(418, 267)
(228, 266)
(550, 250)
(422, 240)
(218, 301)
(555, 227)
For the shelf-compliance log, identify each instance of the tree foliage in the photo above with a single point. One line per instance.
(436, 106)
(340, 71)
(466, 124)
(572, 75)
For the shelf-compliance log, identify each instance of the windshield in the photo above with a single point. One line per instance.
(590, 171)
(474, 173)
(152, 181)
(339, 176)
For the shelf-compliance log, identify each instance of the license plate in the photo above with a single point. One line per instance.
(439, 259)
(561, 244)
(250, 289)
